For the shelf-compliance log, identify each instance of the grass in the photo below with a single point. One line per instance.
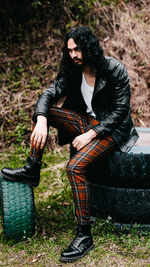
(55, 222)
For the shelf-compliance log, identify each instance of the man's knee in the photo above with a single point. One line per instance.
(74, 167)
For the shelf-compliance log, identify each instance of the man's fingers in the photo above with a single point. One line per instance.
(77, 145)
(75, 142)
(32, 136)
(38, 141)
(43, 142)
(38, 137)
(37, 145)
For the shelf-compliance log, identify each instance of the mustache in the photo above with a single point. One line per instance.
(77, 59)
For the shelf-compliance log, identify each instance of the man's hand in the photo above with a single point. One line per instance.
(39, 135)
(83, 139)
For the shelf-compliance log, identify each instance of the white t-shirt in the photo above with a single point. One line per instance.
(87, 92)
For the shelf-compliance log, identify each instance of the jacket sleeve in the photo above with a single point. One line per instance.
(120, 83)
(50, 96)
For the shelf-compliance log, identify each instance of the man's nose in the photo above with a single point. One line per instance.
(74, 54)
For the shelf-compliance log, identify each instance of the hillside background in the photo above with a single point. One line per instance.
(31, 40)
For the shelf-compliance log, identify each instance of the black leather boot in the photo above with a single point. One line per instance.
(30, 173)
(80, 245)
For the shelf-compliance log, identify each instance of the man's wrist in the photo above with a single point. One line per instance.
(92, 133)
(41, 118)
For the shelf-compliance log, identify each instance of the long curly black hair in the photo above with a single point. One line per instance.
(92, 52)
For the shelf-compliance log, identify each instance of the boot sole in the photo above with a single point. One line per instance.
(10, 179)
(63, 259)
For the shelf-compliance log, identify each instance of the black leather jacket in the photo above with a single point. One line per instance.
(110, 102)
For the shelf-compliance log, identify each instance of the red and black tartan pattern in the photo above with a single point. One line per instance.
(74, 124)
(76, 170)
(70, 122)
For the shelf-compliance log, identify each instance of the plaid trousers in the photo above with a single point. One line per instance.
(74, 124)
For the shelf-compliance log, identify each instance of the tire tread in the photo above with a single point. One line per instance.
(18, 210)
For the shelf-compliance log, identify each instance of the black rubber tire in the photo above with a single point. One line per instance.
(123, 170)
(126, 206)
(120, 186)
(126, 228)
(18, 210)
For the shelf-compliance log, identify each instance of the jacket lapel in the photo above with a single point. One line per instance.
(99, 84)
